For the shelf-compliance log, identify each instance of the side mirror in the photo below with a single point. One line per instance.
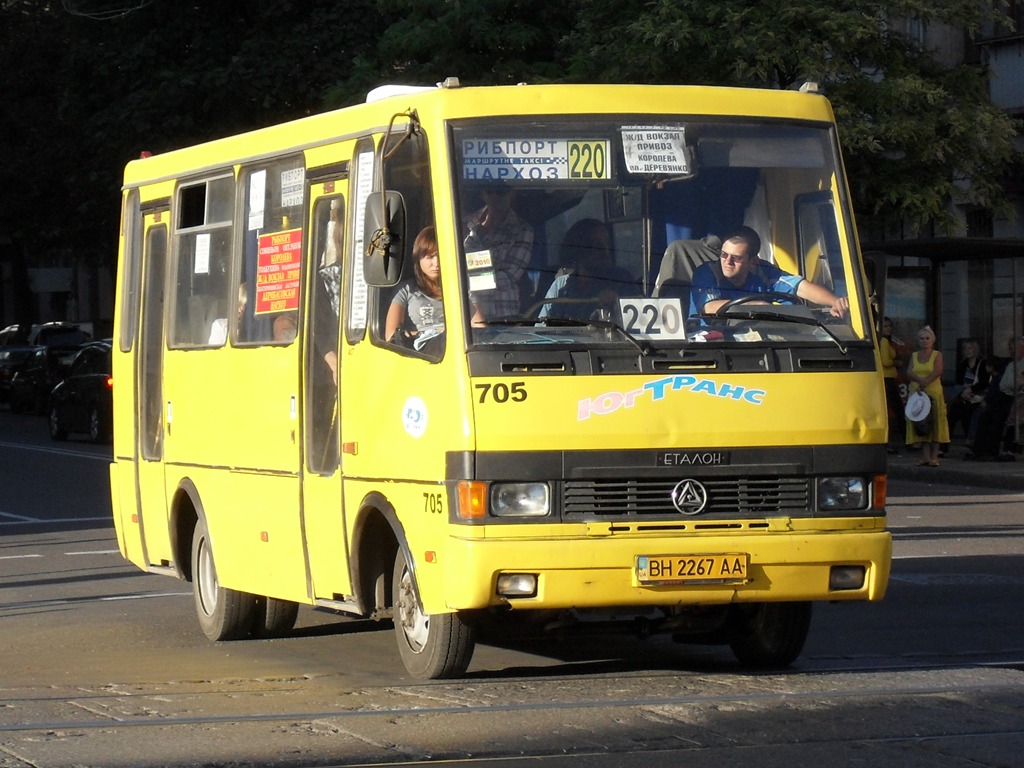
(385, 239)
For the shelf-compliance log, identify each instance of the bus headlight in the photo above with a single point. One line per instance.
(520, 500)
(517, 585)
(842, 493)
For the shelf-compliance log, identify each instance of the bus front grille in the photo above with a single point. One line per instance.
(733, 497)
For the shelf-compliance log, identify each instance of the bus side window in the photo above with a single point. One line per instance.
(272, 248)
(412, 316)
(203, 237)
(422, 333)
(820, 249)
(324, 312)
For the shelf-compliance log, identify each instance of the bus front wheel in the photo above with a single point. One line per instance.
(769, 635)
(432, 646)
(224, 614)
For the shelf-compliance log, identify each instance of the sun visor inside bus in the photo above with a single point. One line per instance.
(386, 239)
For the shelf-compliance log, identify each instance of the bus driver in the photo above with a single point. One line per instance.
(739, 272)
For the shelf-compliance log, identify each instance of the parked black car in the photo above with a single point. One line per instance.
(11, 358)
(83, 401)
(35, 378)
(67, 336)
(15, 335)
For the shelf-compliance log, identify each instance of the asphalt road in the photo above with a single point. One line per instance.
(104, 665)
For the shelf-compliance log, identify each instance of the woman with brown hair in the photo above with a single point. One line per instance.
(416, 314)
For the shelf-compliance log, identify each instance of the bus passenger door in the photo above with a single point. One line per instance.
(149, 423)
(322, 515)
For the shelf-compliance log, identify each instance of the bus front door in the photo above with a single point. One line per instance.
(149, 422)
(323, 520)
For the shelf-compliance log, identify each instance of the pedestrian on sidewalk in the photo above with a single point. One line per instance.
(996, 410)
(891, 363)
(925, 373)
(968, 390)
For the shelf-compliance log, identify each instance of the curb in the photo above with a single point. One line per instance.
(1008, 476)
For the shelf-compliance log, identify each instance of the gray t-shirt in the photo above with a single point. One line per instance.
(423, 311)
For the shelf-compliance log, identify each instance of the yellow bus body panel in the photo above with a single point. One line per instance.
(685, 411)
(588, 571)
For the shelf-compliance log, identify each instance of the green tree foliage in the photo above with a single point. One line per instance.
(91, 83)
(915, 135)
(33, 141)
(176, 73)
(482, 42)
(97, 87)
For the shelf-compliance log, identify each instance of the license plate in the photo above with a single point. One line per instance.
(692, 569)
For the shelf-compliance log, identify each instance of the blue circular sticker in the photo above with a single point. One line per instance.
(414, 416)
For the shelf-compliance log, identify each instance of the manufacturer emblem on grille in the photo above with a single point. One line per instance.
(689, 497)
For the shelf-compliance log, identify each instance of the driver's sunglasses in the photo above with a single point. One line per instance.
(739, 259)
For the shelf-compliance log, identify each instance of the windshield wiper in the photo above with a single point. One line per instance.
(643, 345)
(782, 313)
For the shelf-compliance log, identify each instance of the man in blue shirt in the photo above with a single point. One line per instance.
(739, 272)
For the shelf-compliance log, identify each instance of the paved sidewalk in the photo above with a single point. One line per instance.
(953, 468)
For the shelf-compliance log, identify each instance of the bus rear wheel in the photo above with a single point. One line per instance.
(432, 646)
(769, 635)
(224, 614)
(273, 617)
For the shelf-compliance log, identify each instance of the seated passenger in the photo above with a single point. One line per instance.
(592, 280)
(416, 314)
(497, 229)
(739, 272)
(219, 328)
(285, 326)
(997, 409)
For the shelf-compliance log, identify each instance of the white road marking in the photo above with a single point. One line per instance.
(50, 521)
(145, 597)
(61, 451)
(96, 552)
(19, 517)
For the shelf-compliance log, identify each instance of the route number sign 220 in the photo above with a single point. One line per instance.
(653, 318)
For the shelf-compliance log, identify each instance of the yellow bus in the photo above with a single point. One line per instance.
(437, 359)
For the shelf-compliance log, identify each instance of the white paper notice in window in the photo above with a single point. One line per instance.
(293, 183)
(203, 254)
(257, 198)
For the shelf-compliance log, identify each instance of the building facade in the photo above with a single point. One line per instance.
(969, 285)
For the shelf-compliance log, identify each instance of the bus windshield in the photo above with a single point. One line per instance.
(610, 231)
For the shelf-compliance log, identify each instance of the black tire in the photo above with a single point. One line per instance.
(97, 429)
(273, 617)
(57, 431)
(432, 646)
(769, 635)
(224, 614)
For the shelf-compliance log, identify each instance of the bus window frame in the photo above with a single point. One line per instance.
(272, 164)
(362, 180)
(318, 241)
(178, 233)
(132, 234)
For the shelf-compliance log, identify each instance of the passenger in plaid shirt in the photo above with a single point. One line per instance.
(497, 228)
